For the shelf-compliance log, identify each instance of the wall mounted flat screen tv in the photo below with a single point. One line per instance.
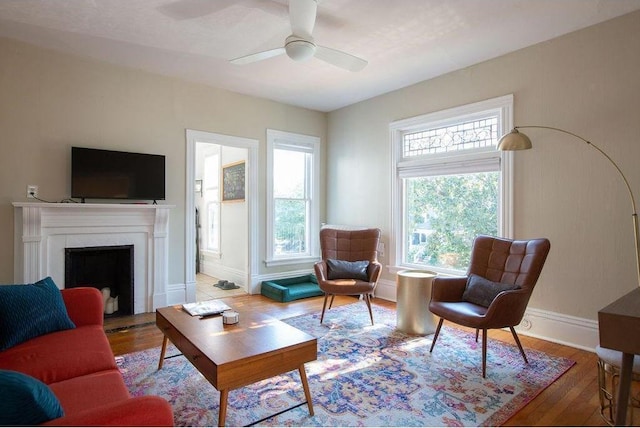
(108, 174)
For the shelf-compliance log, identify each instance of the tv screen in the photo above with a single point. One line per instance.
(107, 174)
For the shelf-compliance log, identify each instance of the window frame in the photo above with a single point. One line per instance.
(282, 140)
(449, 163)
(213, 203)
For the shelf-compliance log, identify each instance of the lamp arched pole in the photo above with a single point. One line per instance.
(634, 214)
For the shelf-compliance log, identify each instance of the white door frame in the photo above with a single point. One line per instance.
(251, 193)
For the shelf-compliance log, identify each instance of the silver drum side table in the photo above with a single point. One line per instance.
(413, 296)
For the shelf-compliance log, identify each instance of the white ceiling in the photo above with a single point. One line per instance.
(405, 41)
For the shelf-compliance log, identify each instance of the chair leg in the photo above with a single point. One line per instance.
(435, 336)
(484, 352)
(515, 336)
(331, 303)
(477, 332)
(324, 306)
(366, 299)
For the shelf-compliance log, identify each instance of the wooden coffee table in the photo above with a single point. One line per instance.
(232, 356)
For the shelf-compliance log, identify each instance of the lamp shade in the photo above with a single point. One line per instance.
(514, 140)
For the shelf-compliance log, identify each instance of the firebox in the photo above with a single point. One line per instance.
(107, 268)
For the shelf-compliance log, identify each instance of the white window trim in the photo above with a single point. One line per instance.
(504, 107)
(276, 139)
(214, 252)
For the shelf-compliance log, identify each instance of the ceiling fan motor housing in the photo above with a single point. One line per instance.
(299, 49)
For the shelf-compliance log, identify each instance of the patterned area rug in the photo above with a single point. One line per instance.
(365, 376)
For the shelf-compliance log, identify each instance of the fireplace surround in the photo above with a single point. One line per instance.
(43, 232)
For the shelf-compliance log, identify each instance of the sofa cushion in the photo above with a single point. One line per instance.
(482, 292)
(62, 355)
(90, 391)
(342, 269)
(25, 400)
(31, 310)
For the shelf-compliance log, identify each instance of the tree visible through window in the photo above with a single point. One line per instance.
(452, 184)
(292, 204)
(445, 213)
(291, 199)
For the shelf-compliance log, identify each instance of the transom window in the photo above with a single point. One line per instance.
(474, 134)
(451, 184)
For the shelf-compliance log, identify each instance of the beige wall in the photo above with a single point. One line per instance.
(587, 82)
(50, 102)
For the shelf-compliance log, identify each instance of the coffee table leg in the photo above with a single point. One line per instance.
(305, 385)
(222, 413)
(165, 339)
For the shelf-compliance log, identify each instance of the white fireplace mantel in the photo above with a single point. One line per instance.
(42, 231)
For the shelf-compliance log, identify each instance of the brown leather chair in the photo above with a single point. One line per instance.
(504, 261)
(348, 246)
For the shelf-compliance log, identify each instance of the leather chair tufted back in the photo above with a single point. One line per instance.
(350, 245)
(507, 261)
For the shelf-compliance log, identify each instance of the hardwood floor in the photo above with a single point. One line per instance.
(570, 401)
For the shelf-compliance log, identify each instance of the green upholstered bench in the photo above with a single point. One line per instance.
(288, 289)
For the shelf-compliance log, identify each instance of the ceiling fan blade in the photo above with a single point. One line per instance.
(340, 59)
(258, 56)
(302, 14)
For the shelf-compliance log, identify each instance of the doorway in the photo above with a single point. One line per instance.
(220, 225)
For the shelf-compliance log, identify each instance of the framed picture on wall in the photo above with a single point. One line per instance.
(233, 182)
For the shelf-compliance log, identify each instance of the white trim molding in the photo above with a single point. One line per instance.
(299, 143)
(193, 137)
(560, 328)
(42, 232)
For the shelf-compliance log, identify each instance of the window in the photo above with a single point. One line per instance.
(292, 205)
(211, 196)
(451, 184)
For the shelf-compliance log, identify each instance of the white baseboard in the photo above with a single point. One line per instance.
(386, 290)
(217, 270)
(560, 328)
(177, 293)
(552, 326)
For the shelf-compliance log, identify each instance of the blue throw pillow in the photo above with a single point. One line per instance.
(24, 400)
(31, 310)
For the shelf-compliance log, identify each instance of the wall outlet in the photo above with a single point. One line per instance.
(381, 249)
(32, 191)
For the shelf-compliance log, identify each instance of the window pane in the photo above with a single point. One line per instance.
(290, 227)
(289, 174)
(211, 171)
(213, 223)
(463, 136)
(445, 213)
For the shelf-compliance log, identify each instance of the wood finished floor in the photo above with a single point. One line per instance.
(570, 401)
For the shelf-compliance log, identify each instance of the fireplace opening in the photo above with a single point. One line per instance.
(109, 269)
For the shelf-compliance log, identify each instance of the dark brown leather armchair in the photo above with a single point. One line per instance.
(499, 260)
(349, 246)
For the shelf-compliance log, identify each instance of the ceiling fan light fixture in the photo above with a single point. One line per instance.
(299, 49)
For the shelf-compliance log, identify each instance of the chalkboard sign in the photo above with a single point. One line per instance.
(233, 182)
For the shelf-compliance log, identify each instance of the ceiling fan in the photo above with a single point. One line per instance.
(301, 46)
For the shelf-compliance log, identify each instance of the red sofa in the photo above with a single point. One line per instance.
(79, 367)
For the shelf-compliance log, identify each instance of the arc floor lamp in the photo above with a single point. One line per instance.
(620, 321)
(516, 140)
